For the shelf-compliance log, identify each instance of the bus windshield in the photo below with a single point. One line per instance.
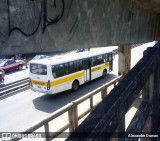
(38, 69)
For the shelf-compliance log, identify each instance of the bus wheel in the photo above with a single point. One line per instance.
(75, 85)
(104, 73)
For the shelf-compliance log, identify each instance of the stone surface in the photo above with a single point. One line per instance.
(151, 5)
(33, 26)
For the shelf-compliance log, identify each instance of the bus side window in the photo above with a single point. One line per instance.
(78, 65)
(71, 67)
(60, 70)
(66, 68)
(110, 57)
(75, 65)
(86, 63)
(53, 72)
(106, 57)
(93, 61)
(99, 60)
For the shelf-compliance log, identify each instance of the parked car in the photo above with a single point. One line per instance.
(11, 64)
(2, 73)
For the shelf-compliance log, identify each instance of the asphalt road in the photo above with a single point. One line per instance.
(16, 75)
(23, 109)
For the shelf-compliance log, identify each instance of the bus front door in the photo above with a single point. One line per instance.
(87, 70)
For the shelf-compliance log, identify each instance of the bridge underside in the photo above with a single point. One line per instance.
(34, 26)
(153, 5)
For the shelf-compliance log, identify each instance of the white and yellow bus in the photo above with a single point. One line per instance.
(69, 71)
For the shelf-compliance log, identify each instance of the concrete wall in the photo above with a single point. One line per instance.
(29, 26)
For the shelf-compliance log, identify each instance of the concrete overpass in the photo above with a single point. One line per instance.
(32, 26)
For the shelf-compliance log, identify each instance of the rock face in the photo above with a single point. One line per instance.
(151, 5)
(31, 26)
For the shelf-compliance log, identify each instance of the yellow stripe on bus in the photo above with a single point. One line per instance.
(100, 67)
(39, 83)
(66, 79)
(60, 81)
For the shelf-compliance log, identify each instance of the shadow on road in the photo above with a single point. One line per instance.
(50, 103)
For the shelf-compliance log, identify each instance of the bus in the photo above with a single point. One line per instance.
(69, 71)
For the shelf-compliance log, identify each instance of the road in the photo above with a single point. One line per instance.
(16, 75)
(23, 109)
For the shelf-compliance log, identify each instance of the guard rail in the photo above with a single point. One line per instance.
(13, 87)
(73, 114)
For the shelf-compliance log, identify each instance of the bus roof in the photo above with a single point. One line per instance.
(72, 56)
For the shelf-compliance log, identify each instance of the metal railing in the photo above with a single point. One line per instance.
(72, 110)
(108, 120)
(14, 87)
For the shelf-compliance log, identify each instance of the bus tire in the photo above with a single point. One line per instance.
(104, 73)
(75, 85)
